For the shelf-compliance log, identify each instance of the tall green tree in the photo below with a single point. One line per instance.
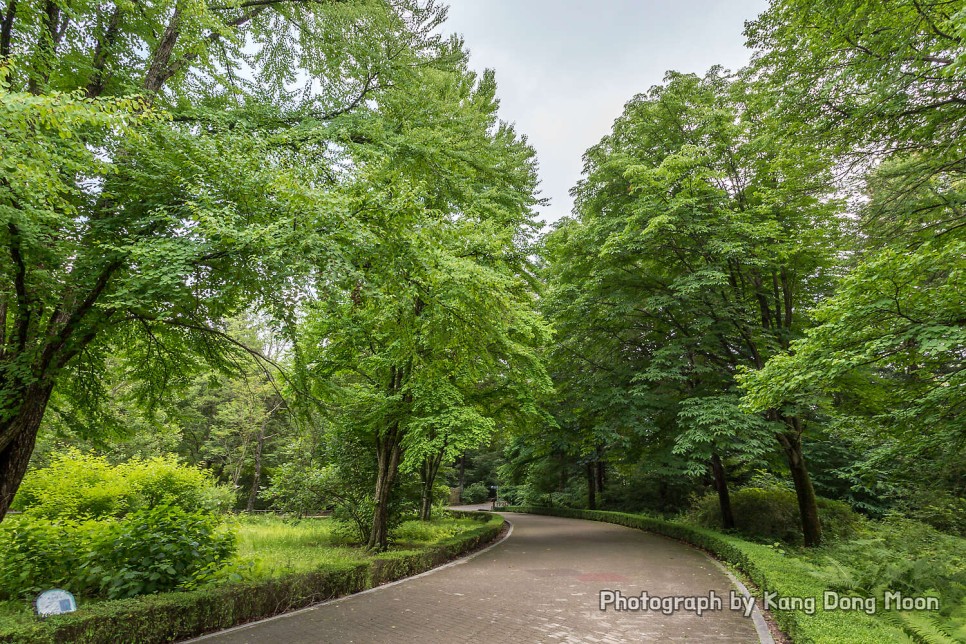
(699, 242)
(163, 170)
(426, 334)
(882, 85)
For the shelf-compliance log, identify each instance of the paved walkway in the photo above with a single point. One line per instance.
(542, 584)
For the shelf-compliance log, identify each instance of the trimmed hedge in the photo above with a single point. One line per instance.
(170, 617)
(767, 568)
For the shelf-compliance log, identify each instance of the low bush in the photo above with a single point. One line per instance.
(299, 490)
(39, 553)
(85, 485)
(940, 509)
(905, 556)
(476, 493)
(159, 549)
(772, 514)
(150, 550)
(649, 490)
(102, 530)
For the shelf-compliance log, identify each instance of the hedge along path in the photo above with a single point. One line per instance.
(171, 617)
(541, 584)
(768, 569)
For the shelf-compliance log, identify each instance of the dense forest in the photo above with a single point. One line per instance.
(290, 247)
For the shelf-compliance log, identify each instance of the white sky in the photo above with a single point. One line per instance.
(565, 68)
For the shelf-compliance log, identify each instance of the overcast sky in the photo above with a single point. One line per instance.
(565, 68)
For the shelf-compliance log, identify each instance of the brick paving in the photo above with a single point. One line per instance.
(540, 585)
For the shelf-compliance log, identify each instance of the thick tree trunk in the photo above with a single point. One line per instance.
(724, 499)
(791, 443)
(388, 456)
(379, 532)
(17, 438)
(6, 30)
(426, 505)
(591, 486)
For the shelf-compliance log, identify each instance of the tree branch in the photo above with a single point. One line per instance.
(73, 320)
(6, 29)
(173, 68)
(22, 323)
(158, 71)
(104, 44)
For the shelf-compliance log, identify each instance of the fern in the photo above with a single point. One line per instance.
(924, 628)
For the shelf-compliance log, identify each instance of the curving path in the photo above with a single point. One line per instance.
(541, 584)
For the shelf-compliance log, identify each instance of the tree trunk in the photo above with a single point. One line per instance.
(791, 443)
(427, 475)
(6, 30)
(562, 458)
(257, 476)
(160, 70)
(601, 470)
(388, 455)
(724, 499)
(591, 486)
(426, 504)
(462, 474)
(17, 438)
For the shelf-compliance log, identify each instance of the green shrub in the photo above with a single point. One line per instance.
(159, 549)
(654, 491)
(116, 531)
(150, 550)
(941, 510)
(74, 485)
(772, 514)
(84, 485)
(39, 554)
(476, 493)
(899, 554)
(164, 481)
(301, 490)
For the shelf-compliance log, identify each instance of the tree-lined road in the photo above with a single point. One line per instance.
(541, 584)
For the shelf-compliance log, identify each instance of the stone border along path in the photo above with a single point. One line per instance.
(540, 583)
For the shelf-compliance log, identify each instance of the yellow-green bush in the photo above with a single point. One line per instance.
(98, 529)
(84, 485)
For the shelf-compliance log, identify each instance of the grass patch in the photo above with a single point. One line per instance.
(15, 612)
(417, 534)
(274, 546)
(270, 546)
